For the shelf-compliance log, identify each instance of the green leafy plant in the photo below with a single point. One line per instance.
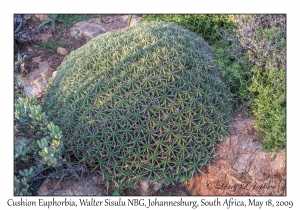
(53, 45)
(206, 26)
(231, 57)
(74, 18)
(52, 19)
(40, 146)
(21, 187)
(143, 103)
(268, 55)
(31, 122)
(258, 43)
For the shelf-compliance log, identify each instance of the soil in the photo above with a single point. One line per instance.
(34, 48)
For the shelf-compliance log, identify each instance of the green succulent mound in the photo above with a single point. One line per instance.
(142, 103)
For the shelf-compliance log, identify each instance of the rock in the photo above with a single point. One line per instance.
(54, 73)
(86, 30)
(35, 18)
(134, 19)
(92, 185)
(145, 187)
(41, 18)
(39, 84)
(242, 167)
(46, 37)
(62, 51)
(35, 81)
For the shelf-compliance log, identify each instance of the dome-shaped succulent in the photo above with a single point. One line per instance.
(142, 103)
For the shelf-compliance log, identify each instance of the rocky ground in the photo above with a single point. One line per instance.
(240, 168)
(39, 51)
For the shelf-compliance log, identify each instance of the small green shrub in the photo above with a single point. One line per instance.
(143, 103)
(40, 145)
(235, 71)
(31, 122)
(206, 26)
(21, 187)
(264, 39)
(269, 106)
(269, 85)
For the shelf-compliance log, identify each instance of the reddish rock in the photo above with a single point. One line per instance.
(42, 18)
(242, 167)
(35, 18)
(62, 51)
